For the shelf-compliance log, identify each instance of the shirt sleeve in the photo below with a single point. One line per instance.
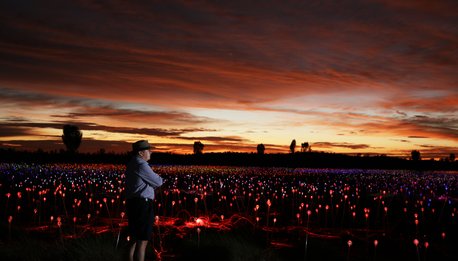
(149, 176)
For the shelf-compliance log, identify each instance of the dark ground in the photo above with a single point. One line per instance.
(242, 243)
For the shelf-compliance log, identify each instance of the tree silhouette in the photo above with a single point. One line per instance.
(415, 155)
(452, 157)
(305, 147)
(260, 148)
(198, 147)
(292, 147)
(72, 137)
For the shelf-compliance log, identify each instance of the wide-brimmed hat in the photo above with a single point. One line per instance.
(141, 145)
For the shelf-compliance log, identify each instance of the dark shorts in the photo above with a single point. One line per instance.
(140, 217)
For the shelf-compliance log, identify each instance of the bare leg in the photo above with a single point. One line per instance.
(140, 250)
(132, 251)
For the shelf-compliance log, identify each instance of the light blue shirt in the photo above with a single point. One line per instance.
(141, 180)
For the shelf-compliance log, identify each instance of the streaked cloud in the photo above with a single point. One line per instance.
(341, 145)
(13, 129)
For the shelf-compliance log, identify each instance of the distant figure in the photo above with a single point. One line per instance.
(141, 181)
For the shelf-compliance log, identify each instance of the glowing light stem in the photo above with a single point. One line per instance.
(55, 202)
(59, 224)
(344, 205)
(8, 195)
(50, 222)
(416, 242)
(39, 207)
(109, 215)
(65, 207)
(379, 206)
(195, 206)
(198, 237)
(159, 233)
(385, 223)
(307, 234)
(205, 203)
(74, 226)
(162, 201)
(332, 208)
(171, 209)
(35, 216)
(375, 249)
(268, 210)
(326, 217)
(10, 219)
(119, 232)
(248, 198)
(236, 203)
(426, 250)
(349, 243)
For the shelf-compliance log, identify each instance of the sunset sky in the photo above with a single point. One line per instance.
(345, 76)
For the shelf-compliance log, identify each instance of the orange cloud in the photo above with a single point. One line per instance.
(378, 68)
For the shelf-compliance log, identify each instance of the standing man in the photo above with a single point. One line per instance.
(141, 181)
